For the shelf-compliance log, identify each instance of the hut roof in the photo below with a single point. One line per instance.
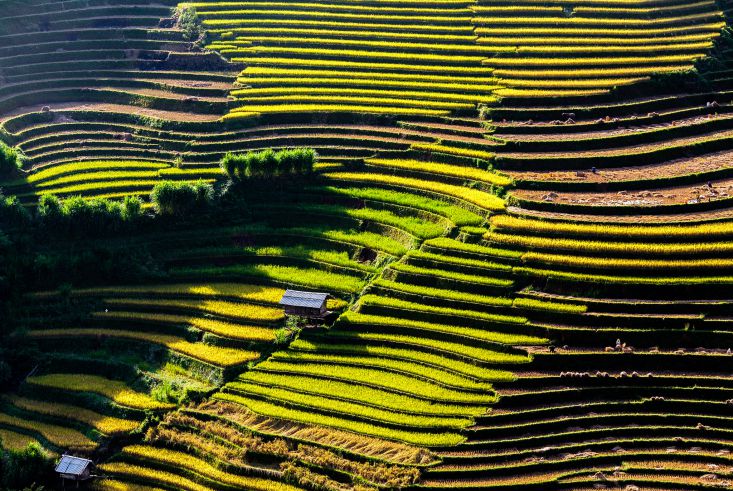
(73, 466)
(295, 298)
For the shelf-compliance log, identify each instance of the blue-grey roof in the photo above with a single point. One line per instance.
(295, 298)
(72, 465)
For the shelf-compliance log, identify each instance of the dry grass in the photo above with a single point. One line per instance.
(389, 451)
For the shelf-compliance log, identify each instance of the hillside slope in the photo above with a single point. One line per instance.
(522, 210)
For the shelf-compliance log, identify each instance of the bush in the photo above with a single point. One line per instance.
(77, 216)
(12, 213)
(180, 198)
(10, 159)
(269, 164)
(24, 468)
(50, 211)
(189, 23)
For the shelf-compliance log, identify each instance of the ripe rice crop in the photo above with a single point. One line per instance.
(710, 28)
(592, 83)
(367, 16)
(416, 88)
(311, 277)
(241, 291)
(655, 10)
(366, 239)
(93, 186)
(378, 378)
(374, 66)
(481, 354)
(252, 110)
(425, 291)
(153, 476)
(468, 369)
(564, 308)
(636, 280)
(473, 196)
(359, 393)
(459, 216)
(237, 310)
(441, 260)
(454, 6)
(428, 44)
(633, 248)
(114, 485)
(10, 440)
(339, 258)
(187, 461)
(253, 102)
(456, 245)
(457, 313)
(86, 166)
(343, 74)
(380, 449)
(606, 48)
(99, 176)
(402, 366)
(377, 94)
(538, 43)
(351, 318)
(413, 225)
(230, 24)
(558, 62)
(107, 425)
(460, 151)
(260, 32)
(371, 240)
(308, 417)
(619, 263)
(306, 401)
(514, 9)
(547, 93)
(452, 275)
(523, 225)
(573, 73)
(465, 172)
(359, 54)
(590, 21)
(215, 355)
(220, 328)
(58, 435)
(112, 389)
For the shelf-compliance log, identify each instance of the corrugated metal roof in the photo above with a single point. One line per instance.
(72, 465)
(295, 298)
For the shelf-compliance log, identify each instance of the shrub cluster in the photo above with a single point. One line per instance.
(189, 23)
(269, 164)
(12, 213)
(9, 159)
(19, 469)
(79, 217)
(180, 198)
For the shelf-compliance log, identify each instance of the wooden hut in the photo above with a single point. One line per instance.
(305, 304)
(75, 469)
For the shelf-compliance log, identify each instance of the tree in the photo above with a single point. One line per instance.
(9, 159)
(180, 198)
(269, 164)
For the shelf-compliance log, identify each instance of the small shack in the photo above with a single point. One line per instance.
(76, 469)
(305, 304)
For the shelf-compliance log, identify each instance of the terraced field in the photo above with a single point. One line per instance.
(521, 211)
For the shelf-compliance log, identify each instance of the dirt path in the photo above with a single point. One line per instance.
(112, 108)
(707, 163)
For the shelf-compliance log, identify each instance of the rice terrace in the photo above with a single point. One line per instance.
(366, 245)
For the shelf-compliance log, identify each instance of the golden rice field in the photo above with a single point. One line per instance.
(520, 213)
